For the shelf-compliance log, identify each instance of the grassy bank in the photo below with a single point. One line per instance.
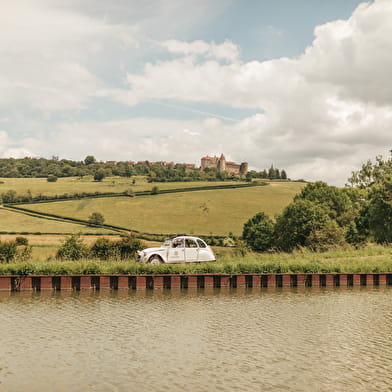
(371, 259)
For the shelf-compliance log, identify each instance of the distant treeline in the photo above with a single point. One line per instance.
(155, 172)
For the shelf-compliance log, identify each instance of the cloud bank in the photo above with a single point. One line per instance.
(319, 115)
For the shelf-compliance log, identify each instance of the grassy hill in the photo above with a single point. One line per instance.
(87, 184)
(216, 212)
(16, 222)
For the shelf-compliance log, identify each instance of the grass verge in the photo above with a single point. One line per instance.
(372, 259)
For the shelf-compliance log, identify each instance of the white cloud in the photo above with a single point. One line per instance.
(226, 51)
(44, 51)
(331, 106)
(319, 115)
(8, 148)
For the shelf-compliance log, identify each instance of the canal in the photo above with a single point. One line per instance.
(330, 339)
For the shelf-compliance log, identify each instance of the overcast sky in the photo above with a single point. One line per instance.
(304, 85)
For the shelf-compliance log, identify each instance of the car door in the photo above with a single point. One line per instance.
(176, 253)
(191, 250)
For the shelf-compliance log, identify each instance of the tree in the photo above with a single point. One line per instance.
(72, 249)
(271, 173)
(335, 200)
(283, 175)
(327, 237)
(298, 220)
(99, 175)
(258, 232)
(380, 211)
(96, 218)
(104, 249)
(90, 159)
(371, 173)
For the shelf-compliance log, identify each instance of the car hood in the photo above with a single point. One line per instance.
(149, 250)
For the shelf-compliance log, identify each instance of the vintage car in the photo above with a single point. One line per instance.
(179, 249)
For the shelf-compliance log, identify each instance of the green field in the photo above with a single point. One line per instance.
(86, 184)
(213, 212)
(15, 222)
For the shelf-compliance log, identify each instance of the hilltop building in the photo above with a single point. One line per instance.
(222, 165)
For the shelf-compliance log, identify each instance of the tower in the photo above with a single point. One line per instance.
(222, 163)
(244, 168)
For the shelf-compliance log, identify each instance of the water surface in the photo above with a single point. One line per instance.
(243, 340)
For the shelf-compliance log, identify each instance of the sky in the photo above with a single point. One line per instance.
(303, 85)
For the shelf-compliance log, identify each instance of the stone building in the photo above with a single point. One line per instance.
(222, 165)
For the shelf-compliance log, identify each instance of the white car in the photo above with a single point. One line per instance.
(180, 249)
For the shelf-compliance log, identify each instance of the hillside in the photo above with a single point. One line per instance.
(11, 221)
(215, 212)
(87, 184)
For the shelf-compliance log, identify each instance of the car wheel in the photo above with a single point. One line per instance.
(155, 260)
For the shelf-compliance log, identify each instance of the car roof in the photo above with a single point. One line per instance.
(184, 236)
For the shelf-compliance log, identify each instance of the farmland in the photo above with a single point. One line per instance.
(21, 223)
(86, 184)
(216, 212)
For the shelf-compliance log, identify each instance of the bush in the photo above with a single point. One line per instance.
(328, 237)
(96, 218)
(10, 251)
(21, 241)
(72, 249)
(128, 246)
(228, 242)
(258, 232)
(125, 248)
(380, 211)
(99, 175)
(298, 220)
(104, 249)
(51, 178)
(154, 190)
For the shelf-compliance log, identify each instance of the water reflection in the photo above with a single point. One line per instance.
(235, 339)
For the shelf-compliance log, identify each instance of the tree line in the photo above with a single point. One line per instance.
(322, 217)
(55, 168)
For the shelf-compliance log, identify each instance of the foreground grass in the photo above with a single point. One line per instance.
(372, 259)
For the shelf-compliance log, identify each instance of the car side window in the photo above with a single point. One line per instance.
(190, 243)
(201, 244)
(178, 243)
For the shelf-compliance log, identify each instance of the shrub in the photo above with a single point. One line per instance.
(258, 232)
(96, 218)
(128, 246)
(154, 190)
(380, 211)
(125, 248)
(21, 241)
(228, 242)
(99, 175)
(51, 178)
(72, 249)
(10, 251)
(298, 220)
(104, 249)
(330, 236)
